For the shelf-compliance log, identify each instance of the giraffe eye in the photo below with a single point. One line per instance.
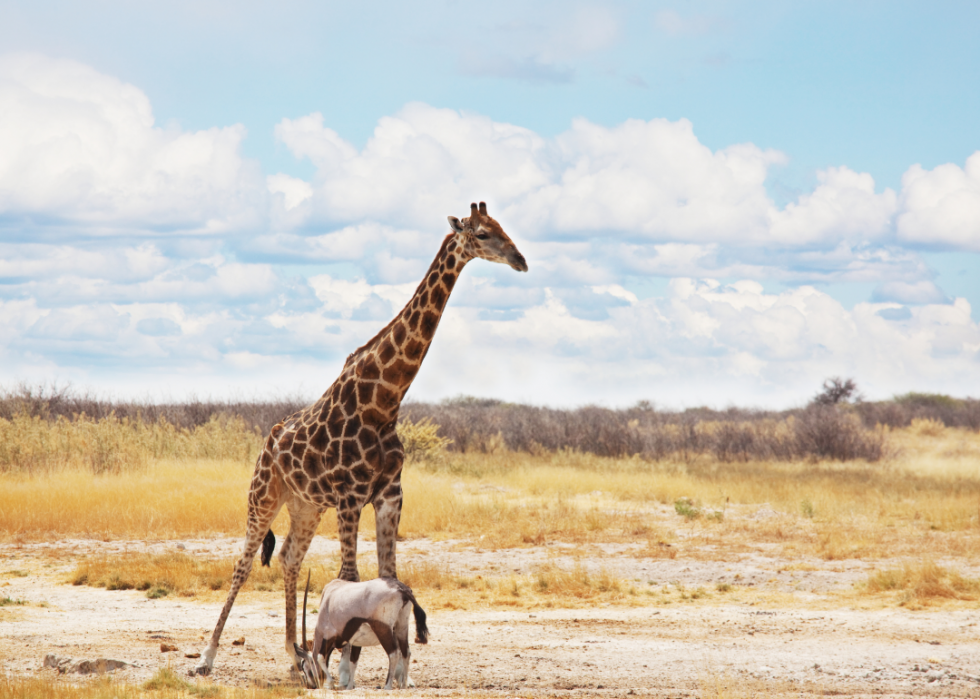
(482, 236)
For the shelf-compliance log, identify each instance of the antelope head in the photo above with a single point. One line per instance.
(307, 659)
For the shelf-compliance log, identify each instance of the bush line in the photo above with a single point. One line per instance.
(114, 433)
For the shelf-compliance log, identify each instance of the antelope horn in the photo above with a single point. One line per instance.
(305, 595)
(483, 208)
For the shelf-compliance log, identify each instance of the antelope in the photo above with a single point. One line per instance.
(356, 614)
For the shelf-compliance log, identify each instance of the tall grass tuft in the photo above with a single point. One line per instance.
(180, 574)
(31, 444)
(923, 583)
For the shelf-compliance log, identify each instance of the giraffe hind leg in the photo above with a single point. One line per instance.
(387, 514)
(258, 523)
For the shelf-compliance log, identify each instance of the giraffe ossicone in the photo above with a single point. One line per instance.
(342, 451)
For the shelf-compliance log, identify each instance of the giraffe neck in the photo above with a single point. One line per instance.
(384, 368)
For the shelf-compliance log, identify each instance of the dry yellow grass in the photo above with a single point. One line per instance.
(110, 445)
(181, 575)
(172, 573)
(165, 685)
(926, 496)
(923, 583)
(166, 499)
(726, 686)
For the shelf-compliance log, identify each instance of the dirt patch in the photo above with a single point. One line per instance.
(807, 639)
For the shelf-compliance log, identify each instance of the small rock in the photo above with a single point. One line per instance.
(238, 641)
(181, 547)
(167, 648)
(192, 655)
(97, 666)
(54, 662)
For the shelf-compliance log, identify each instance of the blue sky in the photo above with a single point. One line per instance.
(720, 202)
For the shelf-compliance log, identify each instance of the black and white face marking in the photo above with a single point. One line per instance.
(308, 665)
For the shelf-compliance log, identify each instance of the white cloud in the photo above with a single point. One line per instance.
(641, 181)
(593, 209)
(844, 206)
(616, 291)
(704, 340)
(80, 146)
(648, 181)
(941, 207)
(654, 178)
(294, 191)
(345, 297)
(418, 166)
(920, 292)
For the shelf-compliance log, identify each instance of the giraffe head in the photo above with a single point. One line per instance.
(481, 236)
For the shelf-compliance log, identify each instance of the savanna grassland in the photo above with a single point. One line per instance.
(592, 515)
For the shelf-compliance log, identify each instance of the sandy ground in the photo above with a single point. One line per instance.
(803, 641)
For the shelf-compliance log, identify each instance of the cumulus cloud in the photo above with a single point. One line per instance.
(82, 147)
(844, 206)
(643, 181)
(701, 340)
(921, 292)
(189, 289)
(418, 166)
(640, 182)
(941, 207)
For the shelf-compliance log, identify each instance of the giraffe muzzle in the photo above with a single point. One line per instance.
(517, 261)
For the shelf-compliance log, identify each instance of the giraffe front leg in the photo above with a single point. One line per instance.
(387, 515)
(304, 520)
(348, 520)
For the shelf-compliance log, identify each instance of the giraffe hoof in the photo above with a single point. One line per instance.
(201, 668)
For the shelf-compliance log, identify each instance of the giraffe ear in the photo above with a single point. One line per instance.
(457, 226)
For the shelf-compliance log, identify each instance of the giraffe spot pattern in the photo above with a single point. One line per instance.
(319, 439)
(365, 393)
(371, 371)
(438, 298)
(400, 373)
(429, 323)
(398, 333)
(413, 351)
(387, 351)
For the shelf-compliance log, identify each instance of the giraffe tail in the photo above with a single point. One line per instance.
(268, 544)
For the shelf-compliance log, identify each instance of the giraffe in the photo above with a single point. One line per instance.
(342, 451)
